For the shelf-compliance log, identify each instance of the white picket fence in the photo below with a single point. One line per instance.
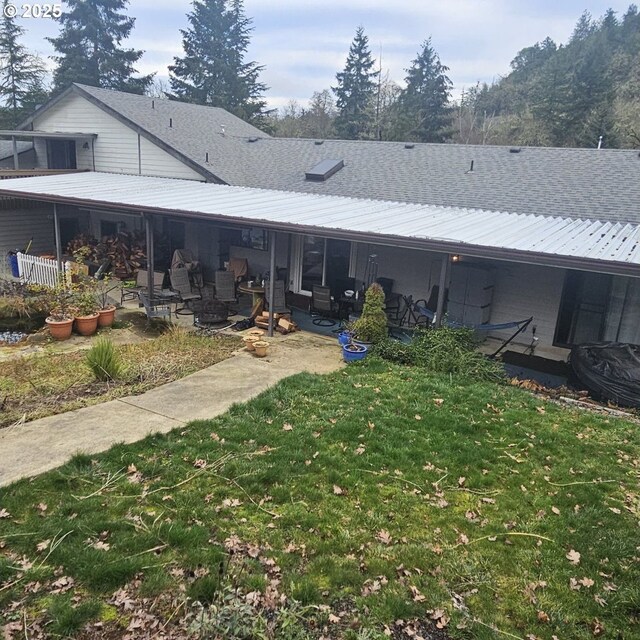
(36, 270)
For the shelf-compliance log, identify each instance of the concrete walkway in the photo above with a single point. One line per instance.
(34, 447)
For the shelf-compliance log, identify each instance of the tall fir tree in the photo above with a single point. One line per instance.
(356, 91)
(90, 47)
(424, 111)
(21, 73)
(213, 70)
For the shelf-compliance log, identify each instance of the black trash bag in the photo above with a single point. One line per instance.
(610, 370)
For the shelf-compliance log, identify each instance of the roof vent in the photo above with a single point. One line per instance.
(153, 104)
(515, 150)
(319, 142)
(221, 129)
(324, 170)
(254, 139)
(409, 145)
(170, 123)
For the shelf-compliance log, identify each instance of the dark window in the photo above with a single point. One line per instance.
(583, 308)
(69, 229)
(108, 228)
(61, 154)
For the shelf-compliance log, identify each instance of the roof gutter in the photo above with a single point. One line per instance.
(424, 244)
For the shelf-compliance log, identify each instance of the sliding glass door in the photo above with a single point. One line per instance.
(318, 261)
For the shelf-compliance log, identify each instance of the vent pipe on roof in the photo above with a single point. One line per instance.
(170, 123)
(153, 104)
(222, 129)
(470, 170)
(409, 145)
(600, 142)
(206, 157)
(319, 142)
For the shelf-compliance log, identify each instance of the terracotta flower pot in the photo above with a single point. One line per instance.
(59, 329)
(261, 347)
(106, 316)
(249, 342)
(87, 325)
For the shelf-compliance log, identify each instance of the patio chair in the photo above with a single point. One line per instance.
(323, 306)
(392, 301)
(181, 285)
(279, 302)
(225, 286)
(239, 267)
(131, 293)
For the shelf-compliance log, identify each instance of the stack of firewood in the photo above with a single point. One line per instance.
(282, 322)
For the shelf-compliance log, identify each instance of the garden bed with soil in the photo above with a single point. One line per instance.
(47, 383)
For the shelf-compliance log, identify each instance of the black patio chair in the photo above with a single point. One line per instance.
(323, 306)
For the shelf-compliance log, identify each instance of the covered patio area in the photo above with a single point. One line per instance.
(476, 268)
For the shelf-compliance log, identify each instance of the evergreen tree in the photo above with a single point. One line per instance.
(425, 113)
(21, 74)
(213, 70)
(355, 91)
(89, 47)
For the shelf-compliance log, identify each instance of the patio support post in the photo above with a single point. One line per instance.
(150, 260)
(14, 146)
(442, 284)
(272, 279)
(56, 231)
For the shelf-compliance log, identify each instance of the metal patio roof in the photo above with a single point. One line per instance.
(555, 241)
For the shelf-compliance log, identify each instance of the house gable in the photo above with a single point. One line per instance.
(118, 148)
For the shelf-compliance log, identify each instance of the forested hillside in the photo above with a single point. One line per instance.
(567, 95)
(555, 95)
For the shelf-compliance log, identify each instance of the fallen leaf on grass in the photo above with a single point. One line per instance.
(438, 402)
(287, 427)
(416, 596)
(461, 481)
(555, 510)
(543, 617)
(337, 490)
(418, 417)
(41, 546)
(530, 590)
(597, 628)
(4, 514)
(360, 450)
(384, 536)
(600, 600)
(333, 619)
(573, 556)
(441, 618)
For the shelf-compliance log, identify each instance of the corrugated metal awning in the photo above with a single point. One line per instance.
(556, 241)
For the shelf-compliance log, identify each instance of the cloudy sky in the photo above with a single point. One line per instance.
(303, 43)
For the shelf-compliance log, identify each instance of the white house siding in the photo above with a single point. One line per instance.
(523, 290)
(414, 272)
(18, 225)
(116, 148)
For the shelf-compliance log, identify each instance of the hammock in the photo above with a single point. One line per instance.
(421, 311)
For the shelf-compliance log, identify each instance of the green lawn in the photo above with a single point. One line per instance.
(370, 496)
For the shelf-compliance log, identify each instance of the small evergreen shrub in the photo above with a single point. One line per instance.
(371, 326)
(103, 361)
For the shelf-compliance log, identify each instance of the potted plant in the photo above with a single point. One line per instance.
(371, 327)
(60, 318)
(353, 351)
(106, 311)
(86, 307)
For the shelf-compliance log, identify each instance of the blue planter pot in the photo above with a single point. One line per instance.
(353, 352)
(344, 338)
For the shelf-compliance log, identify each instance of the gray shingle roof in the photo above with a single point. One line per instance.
(581, 183)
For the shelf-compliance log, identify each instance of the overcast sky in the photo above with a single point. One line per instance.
(303, 43)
